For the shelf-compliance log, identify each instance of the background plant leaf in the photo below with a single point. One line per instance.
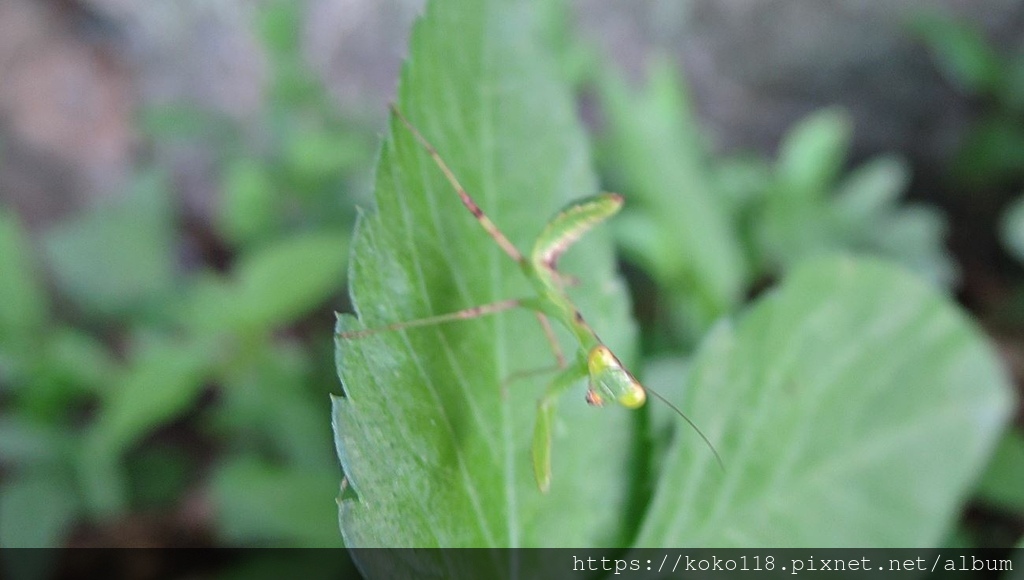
(161, 382)
(853, 393)
(23, 307)
(251, 508)
(961, 52)
(38, 508)
(663, 164)
(1012, 228)
(433, 452)
(117, 256)
(1001, 484)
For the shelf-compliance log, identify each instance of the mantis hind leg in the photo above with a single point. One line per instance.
(562, 382)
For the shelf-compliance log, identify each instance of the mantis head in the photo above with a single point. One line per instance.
(609, 379)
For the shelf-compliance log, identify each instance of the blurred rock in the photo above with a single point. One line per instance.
(66, 103)
(358, 47)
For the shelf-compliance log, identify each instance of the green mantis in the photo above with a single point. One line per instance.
(608, 379)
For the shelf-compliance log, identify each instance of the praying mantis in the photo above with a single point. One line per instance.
(608, 378)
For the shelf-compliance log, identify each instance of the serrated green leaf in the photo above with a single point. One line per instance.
(435, 454)
(853, 393)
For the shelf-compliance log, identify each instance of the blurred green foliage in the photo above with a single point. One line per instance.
(707, 228)
(992, 152)
(132, 380)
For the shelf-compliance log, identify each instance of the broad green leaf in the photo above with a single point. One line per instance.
(116, 256)
(853, 393)
(435, 449)
(655, 141)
